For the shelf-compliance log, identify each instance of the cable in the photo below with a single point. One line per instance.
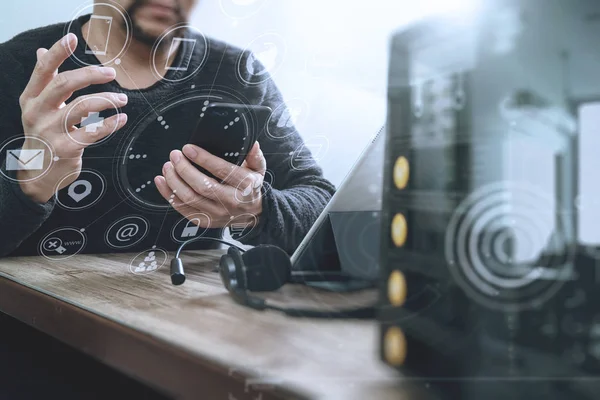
(222, 241)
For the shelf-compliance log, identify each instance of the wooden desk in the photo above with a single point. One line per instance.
(193, 341)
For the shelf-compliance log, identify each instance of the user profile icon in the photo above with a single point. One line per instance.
(148, 261)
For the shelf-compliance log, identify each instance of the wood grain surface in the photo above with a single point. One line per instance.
(193, 341)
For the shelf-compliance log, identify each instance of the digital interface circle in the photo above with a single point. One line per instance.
(102, 20)
(290, 115)
(189, 227)
(38, 157)
(266, 55)
(93, 121)
(244, 186)
(62, 243)
(181, 47)
(310, 153)
(126, 232)
(503, 249)
(148, 143)
(240, 227)
(240, 9)
(87, 189)
(148, 261)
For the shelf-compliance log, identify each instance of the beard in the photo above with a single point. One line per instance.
(139, 34)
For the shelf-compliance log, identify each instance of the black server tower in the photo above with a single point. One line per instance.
(484, 289)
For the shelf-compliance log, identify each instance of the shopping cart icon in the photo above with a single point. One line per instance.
(238, 228)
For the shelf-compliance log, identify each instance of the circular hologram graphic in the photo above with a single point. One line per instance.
(505, 248)
(261, 58)
(35, 160)
(286, 117)
(148, 261)
(127, 232)
(103, 23)
(93, 121)
(62, 243)
(310, 153)
(240, 227)
(181, 45)
(243, 192)
(190, 227)
(86, 190)
(146, 145)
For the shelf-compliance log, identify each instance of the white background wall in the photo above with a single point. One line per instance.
(346, 99)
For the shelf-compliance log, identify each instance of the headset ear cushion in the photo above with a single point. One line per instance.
(266, 268)
(231, 270)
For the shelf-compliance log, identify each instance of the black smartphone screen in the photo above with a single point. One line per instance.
(229, 131)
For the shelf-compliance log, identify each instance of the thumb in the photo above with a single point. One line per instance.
(256, 159)
(40, 52)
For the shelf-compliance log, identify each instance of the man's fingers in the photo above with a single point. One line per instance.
(182, 189)
(64, 84)
(82, 106)
(166, 192)
(199, 182)
(47, 64)
(87, 135)
(256, 160)
(226, 172)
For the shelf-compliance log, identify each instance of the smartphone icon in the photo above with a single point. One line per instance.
(99, 25)
(176, 43)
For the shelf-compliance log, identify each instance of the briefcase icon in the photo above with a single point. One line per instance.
(25, 160)
(190, 229)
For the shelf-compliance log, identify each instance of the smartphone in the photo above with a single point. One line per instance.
(229, 130)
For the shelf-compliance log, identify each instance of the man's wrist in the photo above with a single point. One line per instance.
(32, 191)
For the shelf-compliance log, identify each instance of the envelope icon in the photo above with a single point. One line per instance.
(24, 160)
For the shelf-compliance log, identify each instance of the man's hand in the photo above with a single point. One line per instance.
(45, 116)
(190, 191)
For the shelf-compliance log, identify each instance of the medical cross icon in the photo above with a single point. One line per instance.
(92, 122)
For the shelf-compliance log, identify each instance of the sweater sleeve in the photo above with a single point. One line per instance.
(295, 191)
(20, 216)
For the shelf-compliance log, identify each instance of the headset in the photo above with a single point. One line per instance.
(266, 268)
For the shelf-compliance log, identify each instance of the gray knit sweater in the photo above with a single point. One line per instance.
(293, 197)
